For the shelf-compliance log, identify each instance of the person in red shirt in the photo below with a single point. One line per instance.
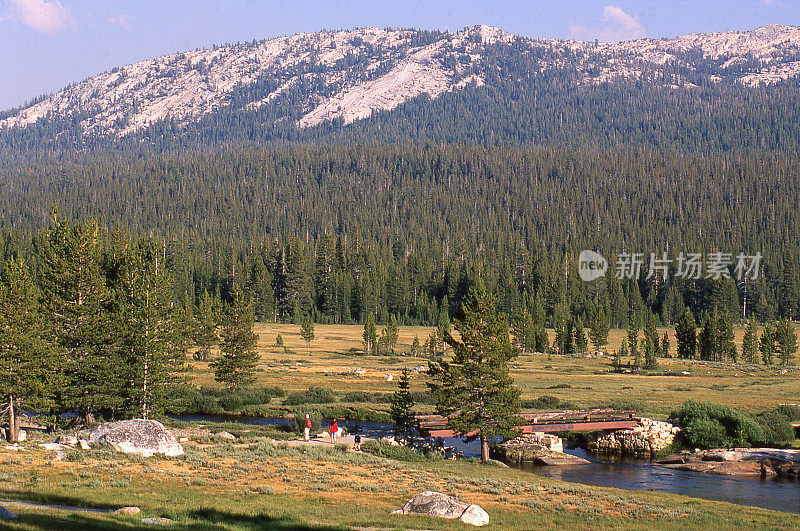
(333, 429)
(307, 429)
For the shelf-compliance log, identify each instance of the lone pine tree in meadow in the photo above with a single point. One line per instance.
(785, 341)
(236, 366)
(307, 330)
(474, 389)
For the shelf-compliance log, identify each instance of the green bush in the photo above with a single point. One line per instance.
(792, 413)
(776, 427)
(314, 395)
(546, 402)
(707, 425)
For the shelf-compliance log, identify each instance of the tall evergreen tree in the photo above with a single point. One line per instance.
(598, 331)
(580, 337)
(785, 341)
(206, 330)
(686, 335)
(402, 408)
(28, 363)
(391, 334)
(370, 335)
(153, 349)
(766, 344)
(474, 390)
(750, 344)
(76, 297)
(239, 358)
(307, 330)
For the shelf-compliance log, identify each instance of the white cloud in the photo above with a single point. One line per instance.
(119, 20)
(44, 16)
(615, 25)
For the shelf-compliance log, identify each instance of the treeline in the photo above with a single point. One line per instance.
(95, 328)
(346, 232)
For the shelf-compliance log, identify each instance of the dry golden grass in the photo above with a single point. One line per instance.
(337, 350)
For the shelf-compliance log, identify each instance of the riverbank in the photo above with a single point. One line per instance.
(254, 482)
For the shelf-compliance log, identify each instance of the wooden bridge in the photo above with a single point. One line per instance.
(543, 421)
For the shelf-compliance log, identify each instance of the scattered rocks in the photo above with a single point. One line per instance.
(537, 447)
(57, 455)
(225, 435)
(138, 436)
(157, 521)
(740, 462)
(440, 505)
(84, 444)
(645, 440)
(68, 440)
(5, 514)
(128, 511)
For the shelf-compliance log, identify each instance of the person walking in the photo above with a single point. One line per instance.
(357, 442)
(333, 429)
(307, 429)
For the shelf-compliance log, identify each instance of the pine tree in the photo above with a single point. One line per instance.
(307, 330)
(153, 348)
(580, 337)
(370, 335)
(686, 335)
(785, 341)
(474, 389)
(29, 365)
(443, 327)
(206, 330)
(766, 344)
(633, 342)
(725, 338)
(599, 328)
(402, 407)
(78, 300)
(650, 353)
(750, 344)
(391, 334)
(651, 333)
(524, 331)
(415, 347)
(709, 337)
(665, 345)
(236, 366)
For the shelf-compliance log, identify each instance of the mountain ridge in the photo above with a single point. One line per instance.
(344, 76)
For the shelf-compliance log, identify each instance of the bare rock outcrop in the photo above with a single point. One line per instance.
(137, 436)
(440, 505)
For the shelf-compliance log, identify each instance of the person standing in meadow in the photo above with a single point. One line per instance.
(333, 429)
(307, 429)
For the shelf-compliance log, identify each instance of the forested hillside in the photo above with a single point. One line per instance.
(346, 231)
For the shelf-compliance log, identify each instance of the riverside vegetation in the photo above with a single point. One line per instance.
(255, 483)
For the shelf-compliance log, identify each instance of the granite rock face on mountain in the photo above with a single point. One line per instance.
(348, 75)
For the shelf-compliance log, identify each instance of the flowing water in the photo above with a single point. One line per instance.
(622, 474)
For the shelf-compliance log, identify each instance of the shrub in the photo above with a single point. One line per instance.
(707, 425)
(792, 413)
(776, 427)
(546, 402)
(314, 395)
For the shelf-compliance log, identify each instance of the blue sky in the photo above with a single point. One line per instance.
(47, 44)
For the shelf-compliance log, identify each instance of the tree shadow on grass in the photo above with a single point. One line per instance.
(101, 518)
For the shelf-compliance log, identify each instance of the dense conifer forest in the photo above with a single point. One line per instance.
(340, 232)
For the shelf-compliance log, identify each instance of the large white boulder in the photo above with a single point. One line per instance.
(440, 505)
(137, 436)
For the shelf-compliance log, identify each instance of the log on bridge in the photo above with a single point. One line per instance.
(543, 421)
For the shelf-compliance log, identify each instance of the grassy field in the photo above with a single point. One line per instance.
(585, 382)
(255, 484)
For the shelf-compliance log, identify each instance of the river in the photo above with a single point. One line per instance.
(625, 474)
